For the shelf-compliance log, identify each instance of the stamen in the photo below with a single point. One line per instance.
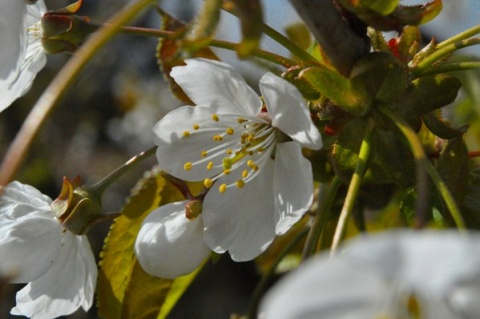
(230, 131)
(229, 151)
(215, 117)
(203, 153)
(241, 120)
(208, 182)
(222, 188)
(186, 133)
(244, 173)
(240, 183)
(196, 126)
(187, 166)
(210, 165)
(226, 171)
(217, 138)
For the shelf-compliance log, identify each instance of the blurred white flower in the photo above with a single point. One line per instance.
(21, 52)
(246, 149)
(169, 244)
(394, 275)
(58, 266)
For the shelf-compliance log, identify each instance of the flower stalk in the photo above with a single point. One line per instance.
(352, 192)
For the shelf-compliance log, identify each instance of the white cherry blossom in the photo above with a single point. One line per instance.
(395, 275)
(58, 266)
(246, 150)
(169, 244)
(21, 50)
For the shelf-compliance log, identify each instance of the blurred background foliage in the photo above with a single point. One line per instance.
(107, 117)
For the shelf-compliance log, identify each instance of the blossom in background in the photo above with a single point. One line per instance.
(21, 52)
(58, 266)
(400, 274)
(246, 150)
(169, 245)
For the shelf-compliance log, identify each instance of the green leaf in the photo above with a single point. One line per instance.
(453, 167)
(351, 96)
(383, 7)
(124, 290)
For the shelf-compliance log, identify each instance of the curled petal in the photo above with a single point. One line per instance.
(289, 112)
(292, 186)
(68, 285)
(169, 245)
(218, 86)
(241, 220)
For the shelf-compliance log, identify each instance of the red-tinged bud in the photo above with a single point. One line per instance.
(63, 31)
(76, 207)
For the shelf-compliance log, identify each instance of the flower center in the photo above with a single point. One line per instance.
(239, 146)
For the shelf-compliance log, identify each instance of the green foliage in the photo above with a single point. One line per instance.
(124, 290)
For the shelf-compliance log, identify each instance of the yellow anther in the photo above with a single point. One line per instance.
(210, 165)
(227, 163)
(255, 168)
(245, 174)
(203, 153)
(215, 117)
(250, 153)
(230, 131)
(240, 183)
(229, 151)
(196, 126)
(186, 133)
(222, 188)
(187, 166)
(241, 120)
(226, 171)
(217, 138)
(207, 182)
(250, 163)
(260, 149)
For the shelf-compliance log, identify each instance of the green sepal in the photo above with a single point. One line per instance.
(298, 33)
(440, 126)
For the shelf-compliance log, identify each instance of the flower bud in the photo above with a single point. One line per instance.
(63, 30)
(77, 207)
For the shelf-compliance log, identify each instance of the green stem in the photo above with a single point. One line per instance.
(441, 53)
(265, 280)
(100, 186)
(321, 218)
(282, 40)
(57, 88)
(461, 36)
(261, 54)
(423, 164)
(352, 192)
(451, 67)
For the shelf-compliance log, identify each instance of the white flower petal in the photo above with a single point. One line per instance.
(68, 285)
(24, 56)
(289, 112)
(169, 245)
(328, 289)
(13, 37)
(29, 234)
(441, 269)
(241, 220)
(217, 86)
(293, 185)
